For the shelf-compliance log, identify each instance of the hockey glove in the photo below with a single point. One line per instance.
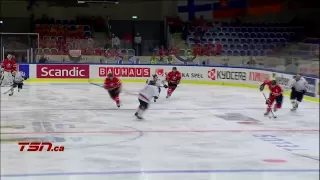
(165, 86)
(268, 101)
(261, 87)
(304, 91)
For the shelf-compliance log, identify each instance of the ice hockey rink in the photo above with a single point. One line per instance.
(200, 133)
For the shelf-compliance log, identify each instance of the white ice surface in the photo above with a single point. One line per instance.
(181, 138)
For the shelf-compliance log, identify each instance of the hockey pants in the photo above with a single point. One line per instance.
(296, 95)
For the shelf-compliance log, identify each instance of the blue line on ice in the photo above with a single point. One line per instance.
(168, 172)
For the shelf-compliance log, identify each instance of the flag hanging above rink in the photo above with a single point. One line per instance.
(229, 8)
(191, 9)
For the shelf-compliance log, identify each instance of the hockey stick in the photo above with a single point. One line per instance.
(269, 105)
(94, 84)
(98, 85)
(8, 90)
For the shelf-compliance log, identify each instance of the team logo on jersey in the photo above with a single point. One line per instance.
(212, 74)
(111, 84)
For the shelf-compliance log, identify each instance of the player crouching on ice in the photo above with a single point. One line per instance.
(145, 95)
(299, 87)
(173, 78)
(159, 84)
(113, 86)
(275, 95)
(18, 78)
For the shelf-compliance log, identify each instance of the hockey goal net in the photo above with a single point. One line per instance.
(22, 45)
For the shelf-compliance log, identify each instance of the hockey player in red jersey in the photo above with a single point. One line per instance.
(173, 78)
(9, 65)
(275, 95)
(266, 82)
(113, 86)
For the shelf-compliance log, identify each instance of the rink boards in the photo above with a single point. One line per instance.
(217, 75)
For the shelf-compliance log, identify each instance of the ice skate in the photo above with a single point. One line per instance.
(137, 115)
(266, 113)
(10, 94)
(275, 109)
(295, 107)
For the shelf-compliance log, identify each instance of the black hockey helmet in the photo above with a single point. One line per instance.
(110, 75)
(154, 76)
(152, 83)
(174, 68)
(273, 82)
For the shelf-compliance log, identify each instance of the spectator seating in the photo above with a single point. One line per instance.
(58, 36)
(244, 41)
(58, 45)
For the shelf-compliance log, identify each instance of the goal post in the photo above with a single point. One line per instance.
(22, 45)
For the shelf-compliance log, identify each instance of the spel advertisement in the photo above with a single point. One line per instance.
(185, 74)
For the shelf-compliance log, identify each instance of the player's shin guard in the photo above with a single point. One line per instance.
(139, 112)
(295, 105)
(170, 91)
(117, 100)
(276, 107)
(11, 91)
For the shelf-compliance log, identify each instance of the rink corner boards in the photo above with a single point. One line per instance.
(231, 84)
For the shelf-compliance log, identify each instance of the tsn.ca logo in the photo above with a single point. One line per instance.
(212, 74)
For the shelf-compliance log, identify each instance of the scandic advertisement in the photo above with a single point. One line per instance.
(63, 71)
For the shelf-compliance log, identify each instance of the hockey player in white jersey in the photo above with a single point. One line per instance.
(18, 78)
(299, 86)
(158, 84)
(145, 96)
